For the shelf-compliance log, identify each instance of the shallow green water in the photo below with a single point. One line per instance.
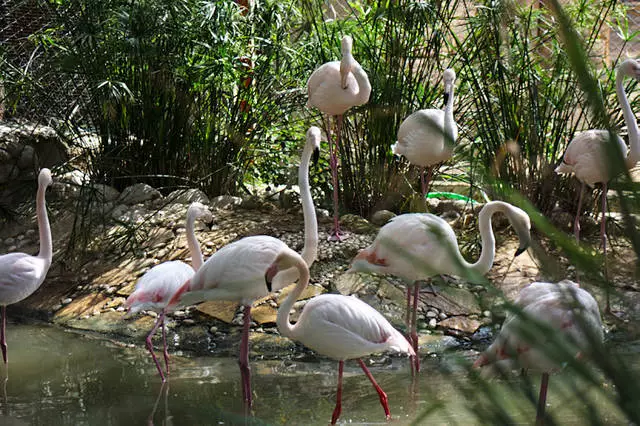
(63, 378)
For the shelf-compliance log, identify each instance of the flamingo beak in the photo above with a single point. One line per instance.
(269, 274)
(520, 251)
(316, 156)
(446, 97)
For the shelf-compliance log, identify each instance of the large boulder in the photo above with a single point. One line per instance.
(188, 196)
(138, 193)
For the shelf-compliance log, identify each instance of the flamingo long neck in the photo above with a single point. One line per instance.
(364, 87)
(282, 320)
(449, 123)
(194, 246)
(630, 121)
(484, 263)
(46, 245)
(310, 249)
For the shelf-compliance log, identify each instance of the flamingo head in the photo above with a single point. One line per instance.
(313, 140)
(200, 211)
(631, 68)
(367, 261)
(347, 62)
(482, 360)
(44, 178)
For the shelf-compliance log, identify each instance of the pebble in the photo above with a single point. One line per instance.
(20, 237)
(120, 309)
(152, 314)
(486, 314)
(111, 290)
(213, 329)
(12, 248)
(30, 233)
(188, 321)
(432, 323)
(66, 301)
(431, 314)
(179, 314)
(442, 316)
(56, 307)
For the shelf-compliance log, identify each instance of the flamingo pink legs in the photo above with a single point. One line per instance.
(603, 242)
(245, 370)
(338, 409)
(149, 344)
(383, 396)
(425, 184)
(542, 399)
(3, 337)
(336, 233)
(576, 222)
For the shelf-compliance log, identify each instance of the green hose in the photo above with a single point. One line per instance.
(451, 196)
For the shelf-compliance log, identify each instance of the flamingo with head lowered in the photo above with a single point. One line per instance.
(237, 271)
(417, 246)
(427, 136)
(587, 156)
(155, 288)
(563, 308)
(334, 88)
(20, 273)
(340, 327)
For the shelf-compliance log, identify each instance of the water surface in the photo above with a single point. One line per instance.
(58, 377)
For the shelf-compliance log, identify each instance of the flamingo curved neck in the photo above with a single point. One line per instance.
(194, 246)
(630, 121)
(484, 263)
(282, 319)
(449, 123)
(364, 87)
(46, 245)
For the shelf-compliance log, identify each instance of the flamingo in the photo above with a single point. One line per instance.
(22, 274)
(416, 246)
(427, 136)
(159, 283)
(586, 155)
(333, 88)
(564, 307)
(237, 271)
(340, 327)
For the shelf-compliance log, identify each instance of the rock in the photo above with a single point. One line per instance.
(105, 193)
(357, 224)
(431, 314)
(309, 292)
(188, 196)
(222, 310)
(432, 323)
(389, 292)
(264, 314)
(138, 193)
(79, 307)
(381, 217)
(348, 284)
(452, 301)
(460, 324)
(226, 202)
(322, 213)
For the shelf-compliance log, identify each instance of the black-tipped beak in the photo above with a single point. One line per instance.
(316, 156)
(520, 251)
(267, 281)
(446, 98)
(209, 225)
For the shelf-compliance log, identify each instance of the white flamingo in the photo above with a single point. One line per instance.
(417, 246)
(427, 136)
(340, 327)
(565, 308)
(22, 274)
(333, 88)
(155, 288)
(237, 271)
(587, 156)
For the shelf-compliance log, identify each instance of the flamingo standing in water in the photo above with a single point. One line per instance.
(237, 271)
(427, 136)
(333, 88)
(22, 274)
(417, 246)
(340, 327)
(155, 288)
(587, 156)
(565, 308)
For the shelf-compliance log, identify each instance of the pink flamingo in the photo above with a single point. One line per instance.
(333, 88)
(564, 307)
(427, 136)
(417, 246)
(155, 288)
(22, 274)
(237, 271)
(587, 156)
(340, 327)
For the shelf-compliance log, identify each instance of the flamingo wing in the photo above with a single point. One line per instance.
(20, 275)
(155, 288)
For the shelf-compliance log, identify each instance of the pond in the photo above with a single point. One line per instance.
(58, 377)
